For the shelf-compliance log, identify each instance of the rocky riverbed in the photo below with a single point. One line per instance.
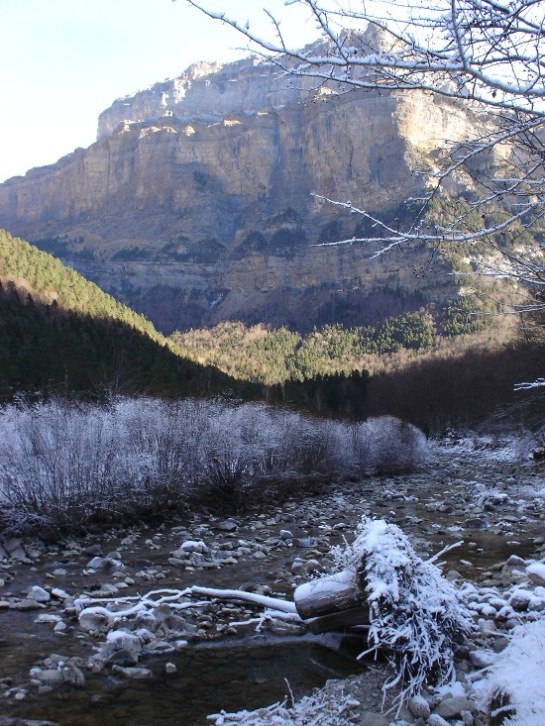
(177, 661)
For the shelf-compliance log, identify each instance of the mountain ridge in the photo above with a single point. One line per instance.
(198, 204)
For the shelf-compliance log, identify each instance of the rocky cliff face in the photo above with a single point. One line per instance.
(196, 202)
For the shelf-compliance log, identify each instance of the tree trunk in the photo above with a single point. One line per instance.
(332, 594)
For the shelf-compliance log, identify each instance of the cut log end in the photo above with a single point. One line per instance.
(331, 596)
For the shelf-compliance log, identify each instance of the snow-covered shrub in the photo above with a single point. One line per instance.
(513, 686)
(387, 445)
(69, 465)
(416, 616)
(313, 448)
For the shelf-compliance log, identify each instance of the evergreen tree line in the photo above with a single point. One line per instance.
(46, 348)
(59, 332)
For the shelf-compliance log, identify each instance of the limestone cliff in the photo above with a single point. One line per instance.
(196, 202)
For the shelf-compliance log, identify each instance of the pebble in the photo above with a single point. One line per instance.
(453, 707)
(481, 658)
(436, 720)
(39, 594)
(419, 707)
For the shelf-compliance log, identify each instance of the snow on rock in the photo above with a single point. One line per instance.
(513, 685)
(194, 546)
(536, 573)
(39, 594)
(121, 639)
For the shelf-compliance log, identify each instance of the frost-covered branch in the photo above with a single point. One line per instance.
(538, 383)
(462, 49)
(487, 56)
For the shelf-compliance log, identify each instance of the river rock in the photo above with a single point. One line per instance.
(73, 676)
(453, 707)
(26, 604)
(39, 594)
(536, 573)
(91, 620)
(437, 720)
(93, 550)
(146, 619)
(520, 600)
(123, 640)
(228, 525)
(481, 659)
(49, 676)
(306, 542)
(159, 646)
(193, 546)
(137, 674)
(476, 523)
(419, 707)
(515, 561)
(108, 564)
(14, 548)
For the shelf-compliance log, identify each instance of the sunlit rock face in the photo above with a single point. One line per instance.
(198, 202)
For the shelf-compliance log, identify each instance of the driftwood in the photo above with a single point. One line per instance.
(333, 602)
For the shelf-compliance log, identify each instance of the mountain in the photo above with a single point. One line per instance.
(196, 203)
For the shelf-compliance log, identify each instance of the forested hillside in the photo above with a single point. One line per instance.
(60, 332)
(274, 356)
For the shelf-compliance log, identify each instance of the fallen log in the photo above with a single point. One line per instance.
(332, 602)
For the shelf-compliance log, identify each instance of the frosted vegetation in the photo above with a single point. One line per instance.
(417, 620)
(415, 613)
(72, 466)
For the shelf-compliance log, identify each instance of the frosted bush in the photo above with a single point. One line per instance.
(388, 445)
(320, 709)
(66, 466)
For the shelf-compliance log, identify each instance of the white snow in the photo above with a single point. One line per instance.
(320, 709)
(536, 572)
(330, 585)
(517, 677)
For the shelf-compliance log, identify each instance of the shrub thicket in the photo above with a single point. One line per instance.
(70, 467)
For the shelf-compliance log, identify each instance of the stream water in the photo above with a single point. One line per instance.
(244, 674)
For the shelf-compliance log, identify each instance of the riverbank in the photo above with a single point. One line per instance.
(57, 668)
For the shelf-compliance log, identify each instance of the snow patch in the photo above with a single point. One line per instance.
(515, 679)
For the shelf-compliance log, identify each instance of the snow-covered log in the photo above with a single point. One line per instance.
(329, 594)
(355, 618)
(333, 602)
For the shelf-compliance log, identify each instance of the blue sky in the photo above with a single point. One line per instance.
(64, 61)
